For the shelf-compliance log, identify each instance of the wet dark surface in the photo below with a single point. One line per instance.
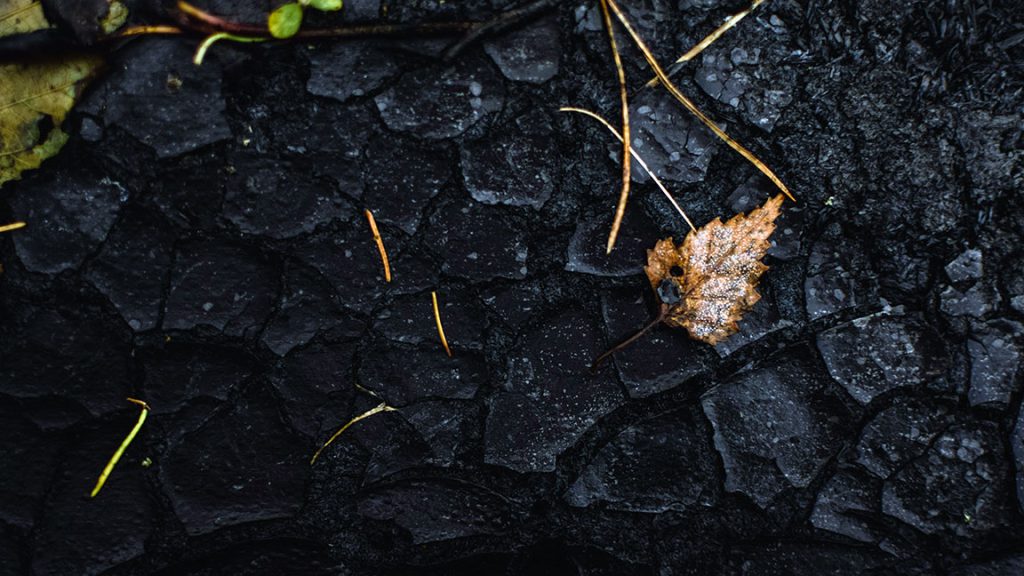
(200, 244)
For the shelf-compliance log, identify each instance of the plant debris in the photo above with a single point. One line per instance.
(653, 62)
(636, 156)
(120, 449)
(35, 95)
(380, 245)
(710, 281)
(440, 328)
(620, 209)
(382, 407)
(710, 38)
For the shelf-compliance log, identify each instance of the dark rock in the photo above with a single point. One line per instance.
(159, 97)
(662, 359)
(1010, 565)
(835, 281)
(775, 427)
(664, 463)
(240, 466)
(403, 375)
(220, 286)
(23, 447)
(133, 267)
(442, 425)
(845, 495)
(437, 104)
(64, 355)
(68, 217)
(349, 70)
(279, 200)
(432, 512)
(956, 487)
(976, 302)
(402, 176)
(514, 305)
(350, 262)
(306, 309)
(899, 434)
(875, 354)
(1017, 444)
(263, 556)
(476, 243)
(530, 54)
(801, 559)
(587, 249)
(539, 412)
(995, 359)
(513, 165)
(410, 319)
(316, 386)
(181, 373)
(674, 144)
(966, 266)
(81, 535)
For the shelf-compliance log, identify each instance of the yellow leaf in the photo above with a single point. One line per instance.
(20, 16)
(35, 96)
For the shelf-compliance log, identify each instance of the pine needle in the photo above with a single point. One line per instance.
(620, 209)
(380, 245)
(710, 38)
(12, 226)
(691, 106)
(120, 449)
(382, 407)
(440, 328)
(635, 157)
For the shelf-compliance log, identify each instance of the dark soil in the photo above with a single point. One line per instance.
(200, 244)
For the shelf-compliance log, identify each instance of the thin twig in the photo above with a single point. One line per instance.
(199, 20)
(12, 226)
(691, 106)
(636, 157)
(710, 38)
(440, 328)
(147, 30)
(499, 23)
(212, 38)
(380, 245)
(120, 449)
(662, 313)
(620, 209)
(382, 407)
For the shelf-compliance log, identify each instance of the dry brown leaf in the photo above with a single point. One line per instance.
(710, 281)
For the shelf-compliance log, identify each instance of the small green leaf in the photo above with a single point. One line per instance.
(326, 5)
(285, 21)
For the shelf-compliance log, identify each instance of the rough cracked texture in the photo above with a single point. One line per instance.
(200, 243)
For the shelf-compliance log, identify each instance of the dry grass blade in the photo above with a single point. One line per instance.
(691, 106)
(12, 226)
(620, 209)
(636, 157)
(380, 245)
(710, 38)
(440, 328)
(382, 407)
(120, 449)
